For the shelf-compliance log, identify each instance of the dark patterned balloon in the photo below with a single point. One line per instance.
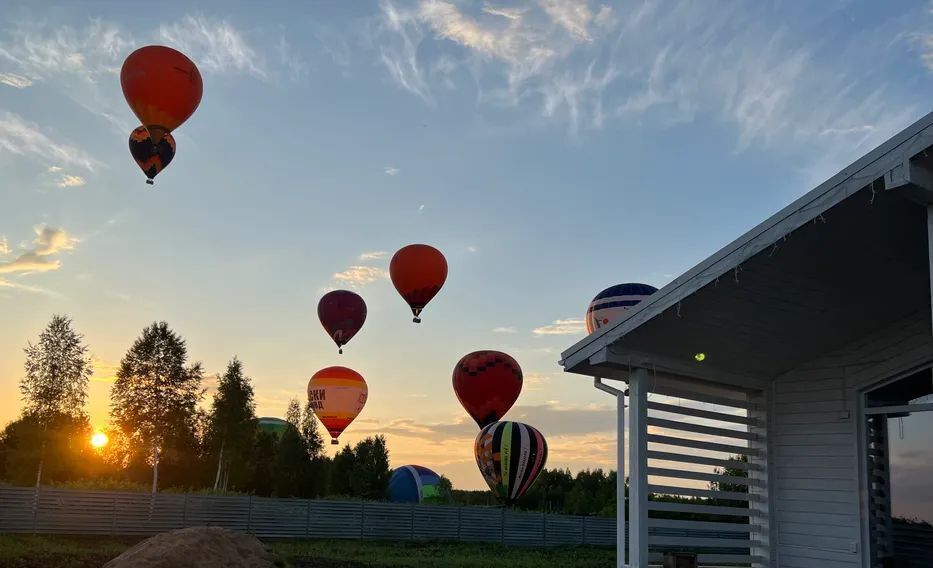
(152, 157)
(510, 455)
(342, 314)
(487, 384)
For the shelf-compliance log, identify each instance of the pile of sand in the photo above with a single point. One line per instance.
(201, 547)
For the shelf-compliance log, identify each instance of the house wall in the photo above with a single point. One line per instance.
(816, 461)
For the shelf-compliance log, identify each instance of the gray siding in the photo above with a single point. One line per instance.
(816, 509)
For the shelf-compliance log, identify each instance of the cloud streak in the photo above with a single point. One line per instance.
(48, 243)
(218, 47)
(15, 81)
(22, 138)
(361, 275)
(562, 327)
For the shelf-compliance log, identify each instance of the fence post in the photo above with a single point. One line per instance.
(583, 535)
(544, 527)
(460, 523)
(35, 510)
(184, 512)
(362, 519)
(502, 527)
(411, 536)
(113, 516)
(249, 513)
(308, 521)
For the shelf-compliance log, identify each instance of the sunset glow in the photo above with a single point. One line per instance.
(99, 440)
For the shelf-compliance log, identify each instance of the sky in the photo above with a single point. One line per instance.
(550, 148)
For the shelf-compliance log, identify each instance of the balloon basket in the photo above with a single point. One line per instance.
(340, 351)
(149, 182)
(334, 442)
(416, 320)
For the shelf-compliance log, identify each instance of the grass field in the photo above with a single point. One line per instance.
(87, 552)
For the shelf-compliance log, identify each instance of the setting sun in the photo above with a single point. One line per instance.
(99, 440)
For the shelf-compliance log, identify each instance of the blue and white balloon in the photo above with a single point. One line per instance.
(610, 304)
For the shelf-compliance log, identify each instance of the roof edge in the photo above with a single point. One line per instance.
(873, 165)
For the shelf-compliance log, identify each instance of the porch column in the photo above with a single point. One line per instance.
(620, 468)
(638, 469)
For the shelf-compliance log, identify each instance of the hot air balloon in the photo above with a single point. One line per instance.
(152, 157)
(273, 426)
(510, 455)
(342, 314)
(418, 273)
(487, 384)
(610, 304)
(337, 395)
(415, 484)
(162, 86)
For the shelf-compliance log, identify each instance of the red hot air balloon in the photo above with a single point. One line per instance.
(418, 273)
(342, 314)
(487, 383)
(151, 157)
(162, 86)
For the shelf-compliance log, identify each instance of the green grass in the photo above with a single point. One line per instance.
(86, 552)
(398, 554)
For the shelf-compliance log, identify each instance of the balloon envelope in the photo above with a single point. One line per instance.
(337, 395)
(510, 455)
(162, 86)
(151, 157)
(487, 384)
(610, 305)
(342, 314)
(418, 273)
(274, 426)
(415, 484)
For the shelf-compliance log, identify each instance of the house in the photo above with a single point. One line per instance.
(793, 346)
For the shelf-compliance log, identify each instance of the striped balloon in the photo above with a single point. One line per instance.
(610, 304)
(510, 455)
(337, 395)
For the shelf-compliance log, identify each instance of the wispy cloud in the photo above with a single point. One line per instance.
(361, 275)
(217, 46)
(22, 138)
(586, 64)
(421, 208)
(67, 180)
(4, 247)
(471, 248)
(504, 329)
(562, 327)
(392, 171)
(47, 243)
(374, 255)
(14, 80)
(8, 284)
(104, 371)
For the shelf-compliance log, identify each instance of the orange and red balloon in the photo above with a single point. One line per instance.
(337, 395)
(418, 273)
(162, 86)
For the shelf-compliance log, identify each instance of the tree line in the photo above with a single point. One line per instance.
(162, 438)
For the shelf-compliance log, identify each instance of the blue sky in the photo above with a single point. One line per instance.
(550, 148)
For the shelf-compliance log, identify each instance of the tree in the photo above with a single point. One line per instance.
(340, 472)
(311, 434)
(293, 413)
(57, 371)
(231, 431)
(292, 464)
(155, 395)
(369, 478)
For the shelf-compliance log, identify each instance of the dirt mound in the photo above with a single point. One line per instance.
(201, 547)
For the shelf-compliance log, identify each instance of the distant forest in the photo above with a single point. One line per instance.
(161, 440)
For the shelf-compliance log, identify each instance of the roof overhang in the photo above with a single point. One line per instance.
(848, 257)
